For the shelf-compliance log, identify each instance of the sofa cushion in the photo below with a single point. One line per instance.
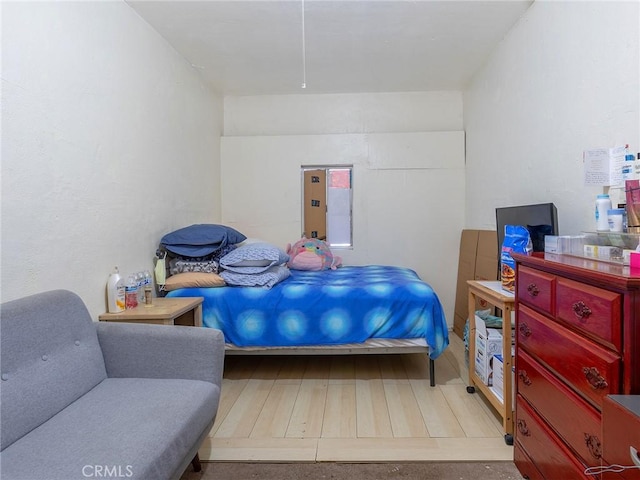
(50, 356)
(129, 427)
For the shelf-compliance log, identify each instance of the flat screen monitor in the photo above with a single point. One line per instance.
(540, 219)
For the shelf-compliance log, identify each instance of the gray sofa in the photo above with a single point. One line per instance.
(82, 400)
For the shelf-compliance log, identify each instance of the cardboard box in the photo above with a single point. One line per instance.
(498, 379)
(487, 256)
(478, 260)
(488, 344)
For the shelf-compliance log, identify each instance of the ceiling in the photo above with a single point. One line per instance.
(258, 47)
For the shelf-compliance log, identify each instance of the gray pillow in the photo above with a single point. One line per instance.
(266, 279)
(253, 258)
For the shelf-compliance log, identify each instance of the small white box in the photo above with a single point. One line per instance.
(488, 343)
(564, 244)
(554, 244)
(603, 252)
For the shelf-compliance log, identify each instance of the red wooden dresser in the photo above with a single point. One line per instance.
(577, 341)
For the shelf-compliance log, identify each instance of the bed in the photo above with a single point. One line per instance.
(351, 310)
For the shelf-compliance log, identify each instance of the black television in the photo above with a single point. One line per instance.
(540, 219)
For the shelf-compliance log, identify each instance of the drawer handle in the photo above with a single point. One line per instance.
(532, 289)
(524, 329)
(523, 429)
(594, 378)
(581, 310)
(524, 377)
(593, 444)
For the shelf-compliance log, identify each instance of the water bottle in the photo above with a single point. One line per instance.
(131, 292)
(148, 287)
(148, 279)
(139, 276)
(603, 205)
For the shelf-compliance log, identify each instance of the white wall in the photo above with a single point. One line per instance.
(565, 79)
(408, 182)
(109, 140)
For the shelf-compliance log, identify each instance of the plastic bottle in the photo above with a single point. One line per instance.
(616, 219)
(131, 292)
(148, 279)
(148, 287)
(603, 205)
(139, 277)
(115, 292)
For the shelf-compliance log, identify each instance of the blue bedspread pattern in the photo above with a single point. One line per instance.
(330, 307)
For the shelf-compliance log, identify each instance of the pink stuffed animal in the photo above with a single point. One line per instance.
(311, 254)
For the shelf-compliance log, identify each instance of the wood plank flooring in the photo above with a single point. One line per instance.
(352, 408)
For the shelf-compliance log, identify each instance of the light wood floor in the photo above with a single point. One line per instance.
(352, 408)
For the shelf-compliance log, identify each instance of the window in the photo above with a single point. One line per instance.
(326, 204)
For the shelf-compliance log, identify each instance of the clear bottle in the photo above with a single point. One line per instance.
(148, 287)
(131, 292)
(139, 276)
(603, 205)
(148, 279)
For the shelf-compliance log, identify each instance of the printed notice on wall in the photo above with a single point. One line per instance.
(603, 166)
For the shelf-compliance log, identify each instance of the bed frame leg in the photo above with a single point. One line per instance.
(432, 372)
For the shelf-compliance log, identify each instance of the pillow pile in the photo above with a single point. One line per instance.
(194, 252)
(255, 265)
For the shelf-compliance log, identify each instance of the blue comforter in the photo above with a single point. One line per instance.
(330, 307)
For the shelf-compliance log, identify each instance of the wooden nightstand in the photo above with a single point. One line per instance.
(493, 294)
(163, 311)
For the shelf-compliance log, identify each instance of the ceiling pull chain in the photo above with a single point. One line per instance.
(304, 53)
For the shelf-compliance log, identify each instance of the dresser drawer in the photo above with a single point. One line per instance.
(594, 311)
(525, 465)
(576, 421)
(590, 369)
(620, 430)
(536, 289)
(550, 456)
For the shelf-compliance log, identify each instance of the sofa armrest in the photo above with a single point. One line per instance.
(162, 351)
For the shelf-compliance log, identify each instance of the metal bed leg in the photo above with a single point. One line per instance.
(432, 372)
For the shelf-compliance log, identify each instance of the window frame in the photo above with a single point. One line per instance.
(328, 169)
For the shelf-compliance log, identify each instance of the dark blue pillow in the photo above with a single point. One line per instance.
(200, 240)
